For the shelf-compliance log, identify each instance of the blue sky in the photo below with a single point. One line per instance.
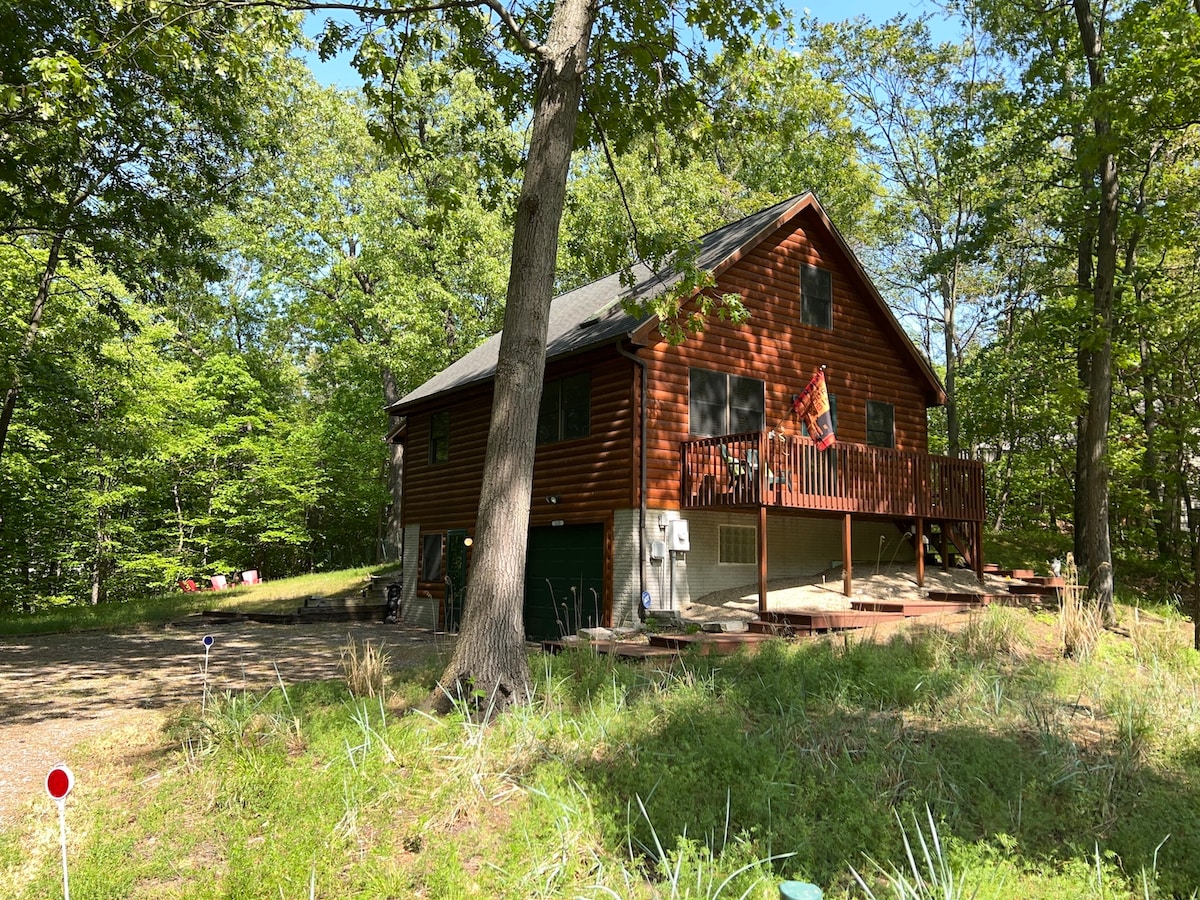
(338, 71)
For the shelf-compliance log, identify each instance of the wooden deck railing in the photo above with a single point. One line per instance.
(766, 468)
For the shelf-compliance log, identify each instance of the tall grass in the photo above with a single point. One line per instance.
(1029, 775)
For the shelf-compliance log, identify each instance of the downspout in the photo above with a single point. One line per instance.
(641, 363)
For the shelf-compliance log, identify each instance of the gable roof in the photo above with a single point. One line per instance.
(594, 314)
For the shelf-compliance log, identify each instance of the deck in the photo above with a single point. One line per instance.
(728, 471)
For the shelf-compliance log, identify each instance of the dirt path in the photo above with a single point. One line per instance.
(57, 691)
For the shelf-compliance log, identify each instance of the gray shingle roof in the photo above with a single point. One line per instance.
(593, 315)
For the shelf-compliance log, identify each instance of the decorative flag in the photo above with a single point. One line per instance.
(813, 406)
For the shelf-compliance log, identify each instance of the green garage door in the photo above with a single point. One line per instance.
(564, 580)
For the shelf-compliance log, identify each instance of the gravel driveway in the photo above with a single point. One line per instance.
(58, 690)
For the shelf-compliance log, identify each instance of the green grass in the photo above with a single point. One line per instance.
(1005, 770)
(283, 595)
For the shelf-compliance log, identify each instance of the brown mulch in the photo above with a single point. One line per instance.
(60, 690)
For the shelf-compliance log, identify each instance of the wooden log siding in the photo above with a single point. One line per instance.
(860, 350)
(849, 478)
(591, 476)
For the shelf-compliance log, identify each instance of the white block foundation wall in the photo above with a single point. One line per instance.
(796, 547)
(419, 612)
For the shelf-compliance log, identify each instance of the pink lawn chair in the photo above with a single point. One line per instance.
(218, 582)
(250, 576)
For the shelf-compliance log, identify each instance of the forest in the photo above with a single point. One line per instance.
(215, 272)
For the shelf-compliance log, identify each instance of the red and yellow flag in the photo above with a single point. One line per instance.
(813, 406)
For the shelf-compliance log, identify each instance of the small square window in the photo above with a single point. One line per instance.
(816, 297)
(881, 424)
(439, 437)
(738, 544)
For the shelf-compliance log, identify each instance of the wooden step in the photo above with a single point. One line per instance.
(623, 649)
(808, 621)
(1039, 590)
(1045, 580)
(710, 644)
(974, 598)
(1022, 573)
(909, 608)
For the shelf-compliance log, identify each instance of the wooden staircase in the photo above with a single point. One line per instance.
(862, 614)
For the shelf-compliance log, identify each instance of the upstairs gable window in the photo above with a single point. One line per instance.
(719, 403)
(816, 297)
(566, 409)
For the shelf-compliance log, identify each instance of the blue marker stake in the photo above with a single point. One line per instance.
(208, 642)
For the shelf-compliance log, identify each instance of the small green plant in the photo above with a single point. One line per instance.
(365, 667)
(929, 875)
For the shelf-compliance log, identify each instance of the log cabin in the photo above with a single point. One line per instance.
(664, 472)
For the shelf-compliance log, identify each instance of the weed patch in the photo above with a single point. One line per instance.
(972, 763)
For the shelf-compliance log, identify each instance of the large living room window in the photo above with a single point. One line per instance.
(566, 410)
(816, 297)
(719, 403)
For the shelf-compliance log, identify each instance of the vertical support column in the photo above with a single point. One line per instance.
(979, 550)
(847, 556)
(762, 558)
(919, 540)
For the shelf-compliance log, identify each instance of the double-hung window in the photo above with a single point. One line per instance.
(816, 296)
(439, 437)
(566, 409)
(881, 424)
(719, 403)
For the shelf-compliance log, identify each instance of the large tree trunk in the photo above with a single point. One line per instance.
(31, 331)
(489, 669)
(1099, 386)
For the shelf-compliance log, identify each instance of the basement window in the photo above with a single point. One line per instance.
(738, 545)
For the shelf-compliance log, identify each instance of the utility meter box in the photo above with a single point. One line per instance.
(677, 536)
(658, 551)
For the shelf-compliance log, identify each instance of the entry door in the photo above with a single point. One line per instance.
(564, 580)
(456, 577)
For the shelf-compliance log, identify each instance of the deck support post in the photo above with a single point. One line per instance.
(847, 555)
(919, 541)
(762, 559)
(979, 550)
